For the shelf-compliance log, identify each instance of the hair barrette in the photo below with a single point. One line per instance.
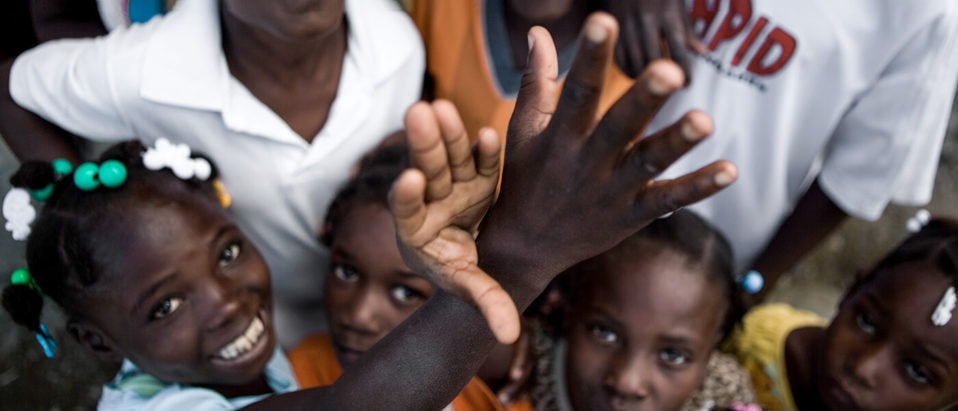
(752, 282)
(21, 276)
(18, 212)
(177, 158)
(946, 306)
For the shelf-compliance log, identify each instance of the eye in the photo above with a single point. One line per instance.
(346, 273)
(406, 294)
(865, 324)
(165, 308)
(917, 373)
(229, 254)
(673, 357)
(603, 334)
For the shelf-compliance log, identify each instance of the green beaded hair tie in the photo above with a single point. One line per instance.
(21, 276)
(61, 167)
(89, 176)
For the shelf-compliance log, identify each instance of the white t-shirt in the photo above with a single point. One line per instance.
(133, 390)
(169, 78)
(856, 93)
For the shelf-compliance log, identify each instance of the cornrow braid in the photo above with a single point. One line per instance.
(936, 243)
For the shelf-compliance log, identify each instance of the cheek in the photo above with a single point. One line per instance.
(676, 386)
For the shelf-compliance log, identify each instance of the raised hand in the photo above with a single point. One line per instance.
(438, 204)
(650, 30)
(574, 186)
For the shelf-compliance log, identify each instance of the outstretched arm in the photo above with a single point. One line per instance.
(572, 188)
(29, 136)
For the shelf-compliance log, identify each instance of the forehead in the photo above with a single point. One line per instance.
(657, 288)
(366, 226)
(151, 237)
(909, 293)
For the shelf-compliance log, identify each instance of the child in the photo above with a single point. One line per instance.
(891, 345)
(642, 322)
(369, 290)
(564, 165)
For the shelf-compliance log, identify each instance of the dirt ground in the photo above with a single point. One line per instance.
(72, 380)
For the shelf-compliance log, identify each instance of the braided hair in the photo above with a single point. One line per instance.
(66, 250)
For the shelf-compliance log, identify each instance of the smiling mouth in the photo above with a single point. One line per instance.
(245, 342)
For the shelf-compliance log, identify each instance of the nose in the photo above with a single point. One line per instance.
(363, 313)
(629, 377)
(867, 365)
(224, 306)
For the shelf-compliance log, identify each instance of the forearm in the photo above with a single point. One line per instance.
(28, 135)
(814, 218)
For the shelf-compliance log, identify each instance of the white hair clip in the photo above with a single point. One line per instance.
(18, 212)
(916, 223)
(946, 306)
(177, 158)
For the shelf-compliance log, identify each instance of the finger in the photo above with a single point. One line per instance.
(489, 153)
(472, 284)
(427, 150)
(576, 110)
(655, 153)
(520, 370)
(535, 102)
(629, 48)
(406, 201)
(666, 196)
(456, 139)
(632, 112)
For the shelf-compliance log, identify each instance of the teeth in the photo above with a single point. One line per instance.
(244, 342)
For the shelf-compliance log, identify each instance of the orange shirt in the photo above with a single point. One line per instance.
(314, 364)
(456, 59)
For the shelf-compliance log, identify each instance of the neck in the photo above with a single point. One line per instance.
(254, 53)
(804, 359)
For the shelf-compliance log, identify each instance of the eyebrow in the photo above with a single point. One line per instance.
(934, 357)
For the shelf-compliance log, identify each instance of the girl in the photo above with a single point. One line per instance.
(891, 345)
(370, 290)
(641, 325)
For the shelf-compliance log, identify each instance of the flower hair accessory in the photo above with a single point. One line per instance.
(920, 220)
(945, 308)
(177, 158)
(18, 212)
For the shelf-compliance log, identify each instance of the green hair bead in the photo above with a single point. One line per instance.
(112, 173)
(62, 166)
(42, 194)
(85, 177)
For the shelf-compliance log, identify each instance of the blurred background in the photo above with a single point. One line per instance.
(72, 380)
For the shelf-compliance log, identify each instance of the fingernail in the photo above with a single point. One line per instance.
(690, 134)
(659, 86)
(532, 41)
(723, 179)
(596, 33)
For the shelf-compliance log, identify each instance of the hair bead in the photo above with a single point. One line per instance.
(85, 177)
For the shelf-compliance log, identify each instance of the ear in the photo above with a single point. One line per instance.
(93, 339)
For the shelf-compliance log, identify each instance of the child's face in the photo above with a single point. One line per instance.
(369, 290)
(641, 337)
(882, 351)
(186, 296)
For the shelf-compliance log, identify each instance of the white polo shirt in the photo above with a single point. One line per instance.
(856, 93)
(169, 78)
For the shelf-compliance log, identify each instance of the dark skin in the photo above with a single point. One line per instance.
(814, 218)
(881, 352)
(289, 57)
(535, 229)
(595, 162)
